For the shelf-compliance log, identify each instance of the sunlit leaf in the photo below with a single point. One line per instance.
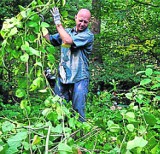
(58, 129)
(24, 57)
(36, 140)
(13, 31)
(145, 81)
(20, 93)
(23, 14)
(16, 140)
(43, 90)
(7, 126)
(34, 51)
(44, 24)
(148, 71)
(136, 142)
(130, 127)
(23, 104)
(38, 64)
(114, 128)
(46, 111)
(63, 2)
(64, 147)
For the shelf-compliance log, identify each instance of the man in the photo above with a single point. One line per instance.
(76, 45)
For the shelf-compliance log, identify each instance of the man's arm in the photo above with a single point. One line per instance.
(66, 38)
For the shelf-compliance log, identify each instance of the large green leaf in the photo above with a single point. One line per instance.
(136, 142)
(44, 24)
(150, 119)
(20, 93)
(7, 126)
(130, 127)
(24, 57)
(62, 147)
(145, 81)
(148, 71)
(34, 51)
(15, 141)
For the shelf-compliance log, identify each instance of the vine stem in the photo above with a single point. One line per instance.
(47, 140)
(122, 142)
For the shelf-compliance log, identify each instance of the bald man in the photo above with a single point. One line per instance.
(73, 73)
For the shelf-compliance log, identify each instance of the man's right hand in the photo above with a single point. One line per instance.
(56, 15)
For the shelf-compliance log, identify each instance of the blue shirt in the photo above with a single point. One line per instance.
(74, 63)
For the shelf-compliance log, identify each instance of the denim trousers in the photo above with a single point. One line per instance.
(75, 92)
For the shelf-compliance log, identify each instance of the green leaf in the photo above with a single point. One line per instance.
(13, 31)
(24, 14)
(25, 46)
(34, 51)
(136, 142)
(39, 2)
(26, 145)
(109, 123)
(38, 64)
(32, 24)
(155, 149)
(12, 150)
(114, 128)
(150, 119)
(20, 93)
(15, 141)
(64, 147)
(157, 98)
(130, 116)
(46, 111)
(36, 140)
(155, 86)
(58, 129)
(129, 96)
(130, 127)
(23, 104)
(43, 91)
(72, 122)
(63, 2)
(7, 126)
(24, 57)
(148, 71)
(145, 81)
(142, 130)
(51, 58)
(44, 24)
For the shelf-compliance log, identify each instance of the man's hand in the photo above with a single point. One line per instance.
(56, 15)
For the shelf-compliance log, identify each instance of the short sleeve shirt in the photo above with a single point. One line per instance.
(74, 63)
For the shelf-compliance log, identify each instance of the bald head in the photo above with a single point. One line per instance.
(84, 12)
(82, 19)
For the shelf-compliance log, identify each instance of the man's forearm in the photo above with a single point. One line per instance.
(66, 38)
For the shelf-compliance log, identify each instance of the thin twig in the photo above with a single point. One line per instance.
(47, 140)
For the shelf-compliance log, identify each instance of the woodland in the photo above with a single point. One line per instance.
(122, 108)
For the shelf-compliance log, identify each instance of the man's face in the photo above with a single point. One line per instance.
(82, 21)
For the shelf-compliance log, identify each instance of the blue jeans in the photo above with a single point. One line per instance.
(76, 92)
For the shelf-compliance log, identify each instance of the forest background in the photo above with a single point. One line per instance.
(123, 102)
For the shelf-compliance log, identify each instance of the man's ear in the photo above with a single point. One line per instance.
(75, 17)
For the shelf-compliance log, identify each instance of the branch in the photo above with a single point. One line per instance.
(47, 140)
(149, 4)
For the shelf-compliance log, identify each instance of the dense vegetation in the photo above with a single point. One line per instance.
(123, 103)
